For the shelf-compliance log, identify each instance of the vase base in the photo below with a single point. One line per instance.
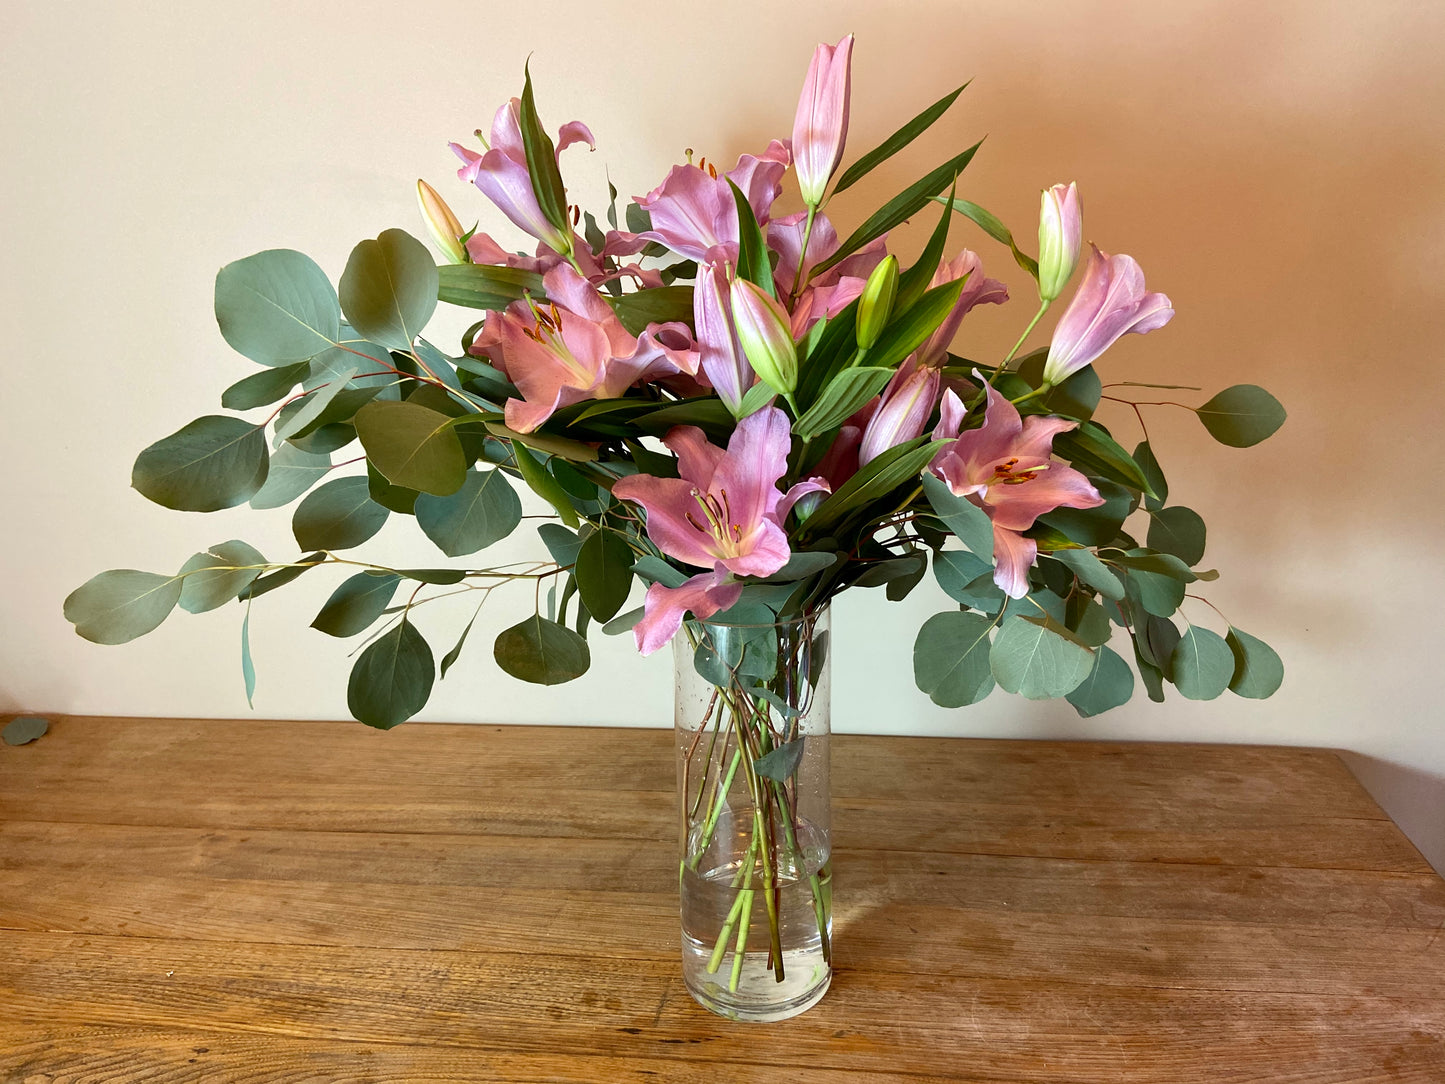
(758, 997)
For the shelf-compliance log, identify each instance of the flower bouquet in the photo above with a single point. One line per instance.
(744, 411)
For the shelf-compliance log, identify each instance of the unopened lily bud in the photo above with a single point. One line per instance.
(1061, 235)
(875, 304)
(765, 334)
(444, 227)
(820, 127)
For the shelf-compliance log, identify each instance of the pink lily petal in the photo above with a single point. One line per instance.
(665, 607)
(1013, 556)
(669, 503)
(903, 410)
(757, 457)
(720, 355)
(978, 290)
(797, 491)
(1110, 302)
(697, 459)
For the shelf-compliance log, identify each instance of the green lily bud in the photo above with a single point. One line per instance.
(1061, 235)
(875, 305)
(446, 231)
(765, 334)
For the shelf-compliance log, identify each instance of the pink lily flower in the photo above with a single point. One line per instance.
(978, 290)
(1110, 302)
(501, 173)
(693, 212)
(721, 355)
(820, 127)
(831, 292)
(1006, 468)
(724, 512)
(903, 411)
(573, 348)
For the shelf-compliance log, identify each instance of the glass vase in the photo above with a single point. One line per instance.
(751, 722)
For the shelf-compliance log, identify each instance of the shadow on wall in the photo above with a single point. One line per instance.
(1410, 796)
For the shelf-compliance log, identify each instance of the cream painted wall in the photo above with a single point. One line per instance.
(1277, 168)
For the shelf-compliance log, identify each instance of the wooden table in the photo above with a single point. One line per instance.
(280, 901)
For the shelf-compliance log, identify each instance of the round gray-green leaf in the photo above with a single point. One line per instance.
(339, 515)
(24, 729)
(1038, 659)
(392, 679)
(1109, 684)
(1242, 416)
(950, 658)
(218, 575)
(356, 603)
(1179, 531)
(389, 289)
(214, 462)
(604, 573)
(117, 606)
(413, 446)
(292, 472)
(485, 510)
(542, 652)
(1202, 664)
(277, 307)
(1258, 670)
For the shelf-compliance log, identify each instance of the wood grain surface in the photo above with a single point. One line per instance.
(267, 902)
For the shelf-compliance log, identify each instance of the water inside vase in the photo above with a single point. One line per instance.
(750, 990)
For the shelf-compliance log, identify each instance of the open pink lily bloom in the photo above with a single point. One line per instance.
(820, 127)
(574, 348)
(501, 173)
(722, 360)
(725, 512)
(978, 290)
(693, 212)
(1006, 468)
(1111, 301)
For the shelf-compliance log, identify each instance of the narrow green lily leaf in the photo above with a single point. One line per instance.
(535, 474)
(658, 305)
(1092, 450)
(484, 286)
(907, 332)
(755, 398)
(413, 446)
(844, 395)
(1258, 670)
(542, 162)
(914, 282)
(994, 227)
(1242, 416)
(1109, 684)
(896, 142)
(875, 480)
(753, 263)
(277, 307)
(969, 523)
(542, 652)
(1202, 664)
(392, 678)
(219, 575)
(901, 207)
(214, 462)
(117, 606)
(1038, 658)
(951, 658)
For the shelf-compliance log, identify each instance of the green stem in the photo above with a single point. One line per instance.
(1043, 308)
(744, 921)
(798, 280)
(1043, 389)
(719, 797)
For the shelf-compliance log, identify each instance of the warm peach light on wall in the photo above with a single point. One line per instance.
(1279, 169)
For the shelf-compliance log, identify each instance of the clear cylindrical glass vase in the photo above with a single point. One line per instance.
(752, 726)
